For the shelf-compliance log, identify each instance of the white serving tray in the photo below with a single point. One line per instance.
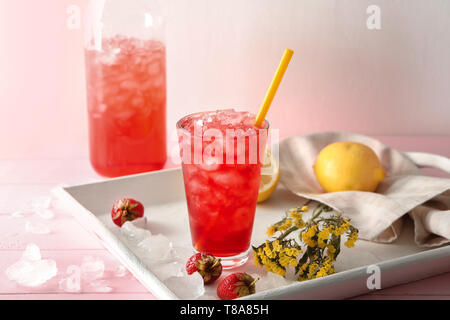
(162, 194)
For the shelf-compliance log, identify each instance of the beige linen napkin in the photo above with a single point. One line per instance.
(378, 216)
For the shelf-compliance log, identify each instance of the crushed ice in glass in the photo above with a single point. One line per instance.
(242, 122)
(31, 270)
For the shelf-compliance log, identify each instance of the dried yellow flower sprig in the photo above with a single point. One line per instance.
(320, 236)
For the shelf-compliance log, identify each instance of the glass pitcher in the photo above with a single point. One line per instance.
(125, 56)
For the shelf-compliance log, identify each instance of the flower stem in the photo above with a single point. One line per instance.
(288, 231)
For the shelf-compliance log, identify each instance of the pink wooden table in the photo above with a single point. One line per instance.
(22, 180)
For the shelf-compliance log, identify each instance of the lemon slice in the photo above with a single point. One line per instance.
(270, 176)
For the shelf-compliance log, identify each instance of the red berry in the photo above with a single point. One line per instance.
(126, 210)
(236, 285)
(208, 266)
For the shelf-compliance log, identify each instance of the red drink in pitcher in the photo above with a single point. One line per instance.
(221, 154)
(126, 91)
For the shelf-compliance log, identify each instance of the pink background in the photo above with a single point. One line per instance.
(392, 81)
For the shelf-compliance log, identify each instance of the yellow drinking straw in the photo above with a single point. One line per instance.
(273, 87)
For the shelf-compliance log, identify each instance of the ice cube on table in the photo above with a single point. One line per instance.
(67, 285)
(101, 286)
(32, 253)
(31, 270)
(37, 228)
(39, 206)
(187, 287)
(120, 271)
(45, 213)
(158, 249)
(269, 281)
(92, 268)
(42, 203)
(72, 283)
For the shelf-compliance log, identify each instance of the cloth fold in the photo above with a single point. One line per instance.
(378, 216)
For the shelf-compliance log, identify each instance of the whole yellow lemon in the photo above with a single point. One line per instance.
(348, 166)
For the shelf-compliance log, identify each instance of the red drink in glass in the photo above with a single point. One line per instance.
(222, 188)
(126, 91)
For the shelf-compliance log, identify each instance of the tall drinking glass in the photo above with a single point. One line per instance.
(222, 154)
